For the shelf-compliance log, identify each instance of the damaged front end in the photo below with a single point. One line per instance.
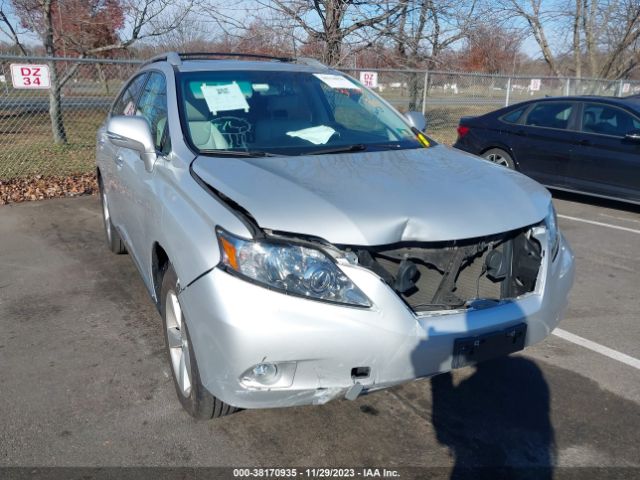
(457, 274)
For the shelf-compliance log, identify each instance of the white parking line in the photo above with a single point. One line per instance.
(596, 347)
(601, 224)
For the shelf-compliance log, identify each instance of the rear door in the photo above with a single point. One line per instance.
(604, 161)
(546, 139)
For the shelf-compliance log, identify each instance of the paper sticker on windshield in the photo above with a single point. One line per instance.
(316, 135)
(223, 98)
(336, 81)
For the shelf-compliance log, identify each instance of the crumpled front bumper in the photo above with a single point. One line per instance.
(235, 325)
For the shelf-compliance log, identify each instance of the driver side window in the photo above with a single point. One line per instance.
(153, 106)
(126, 104)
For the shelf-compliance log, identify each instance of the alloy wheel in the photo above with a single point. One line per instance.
(178, 343)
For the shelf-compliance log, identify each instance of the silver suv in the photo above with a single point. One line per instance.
(304, 241)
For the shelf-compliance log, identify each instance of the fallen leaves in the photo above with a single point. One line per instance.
(40, 187)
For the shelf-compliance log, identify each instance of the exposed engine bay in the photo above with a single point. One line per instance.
(454, 275)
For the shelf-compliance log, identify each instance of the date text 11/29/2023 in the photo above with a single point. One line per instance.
(315, 473)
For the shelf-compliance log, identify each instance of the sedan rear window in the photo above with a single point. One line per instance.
(550, 115)
(513, 116)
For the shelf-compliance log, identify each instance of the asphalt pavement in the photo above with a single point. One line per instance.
(84, 380)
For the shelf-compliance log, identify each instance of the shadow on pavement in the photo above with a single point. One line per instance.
(497, 421)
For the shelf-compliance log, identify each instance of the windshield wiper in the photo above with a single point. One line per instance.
(237, 153)
(358, 147)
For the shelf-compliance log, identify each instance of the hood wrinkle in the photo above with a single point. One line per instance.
(378, 198)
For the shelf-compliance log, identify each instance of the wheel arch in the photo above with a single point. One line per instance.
(159, 261)
(504, 147)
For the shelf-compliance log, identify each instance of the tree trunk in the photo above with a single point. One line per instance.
(332, 50)
(55, 107)
(414, 89)
(103, 78)
(577, 57)
(55, 103)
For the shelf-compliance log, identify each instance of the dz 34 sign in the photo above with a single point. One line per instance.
(30, 76)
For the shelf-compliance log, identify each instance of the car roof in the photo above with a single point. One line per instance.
(635, 102)
(220, 61)
(209, 65)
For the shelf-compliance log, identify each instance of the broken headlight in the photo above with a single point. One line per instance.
(551, 222)
(289, 268)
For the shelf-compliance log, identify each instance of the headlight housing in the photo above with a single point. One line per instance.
(551, 222)
(289, 268)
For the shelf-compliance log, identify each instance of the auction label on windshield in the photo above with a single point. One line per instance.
(336, 81)
(224, 98)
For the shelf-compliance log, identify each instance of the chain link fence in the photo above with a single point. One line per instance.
(86, 88)
(444, 97)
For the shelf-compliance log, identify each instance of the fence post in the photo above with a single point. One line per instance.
(506, 100)
(620, 87)
(567, 87)
(424, 92)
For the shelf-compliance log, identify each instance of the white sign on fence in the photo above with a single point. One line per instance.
(626, 87)
(30, 76)
(534, 86)
(369, 79)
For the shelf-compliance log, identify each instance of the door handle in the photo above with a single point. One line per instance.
(584, 142)
(520, 133)
(119, 160)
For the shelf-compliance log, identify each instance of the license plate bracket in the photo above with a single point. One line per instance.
(471, 350)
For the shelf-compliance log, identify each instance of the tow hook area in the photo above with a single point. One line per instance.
(354, 391)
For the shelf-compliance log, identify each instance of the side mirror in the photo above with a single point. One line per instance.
(633, 135)
(417, 121)
(133, 133)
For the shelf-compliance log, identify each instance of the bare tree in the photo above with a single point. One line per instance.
(604, 32)
(536, 17)
(331, 22)
(10, 30)
(143, 20)
(422, 31)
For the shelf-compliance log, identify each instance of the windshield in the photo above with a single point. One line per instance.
(287, 113)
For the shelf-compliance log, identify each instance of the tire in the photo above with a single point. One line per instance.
(114, 242)
(193, 396)
(500, 157)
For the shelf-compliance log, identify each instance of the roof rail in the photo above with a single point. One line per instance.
(204, 55)
(312, 62)
(172, 58)
(175, 58)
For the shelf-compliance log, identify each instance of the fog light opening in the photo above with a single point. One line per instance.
(263, 373)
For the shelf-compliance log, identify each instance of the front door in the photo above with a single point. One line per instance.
(605, 161)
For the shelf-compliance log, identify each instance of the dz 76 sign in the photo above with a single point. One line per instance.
(30, 76)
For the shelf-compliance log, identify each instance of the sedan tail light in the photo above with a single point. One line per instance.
(462, 130)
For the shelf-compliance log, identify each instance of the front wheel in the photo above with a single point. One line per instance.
(195, 399)
(500, 157)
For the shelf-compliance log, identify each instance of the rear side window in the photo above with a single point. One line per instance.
(513, 116)
(126, 104)
(550, 115)
(153, 106)
(607, 120)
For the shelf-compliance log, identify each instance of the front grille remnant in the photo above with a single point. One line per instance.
(452, 275)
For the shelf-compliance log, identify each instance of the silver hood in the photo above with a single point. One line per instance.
(377, 198)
